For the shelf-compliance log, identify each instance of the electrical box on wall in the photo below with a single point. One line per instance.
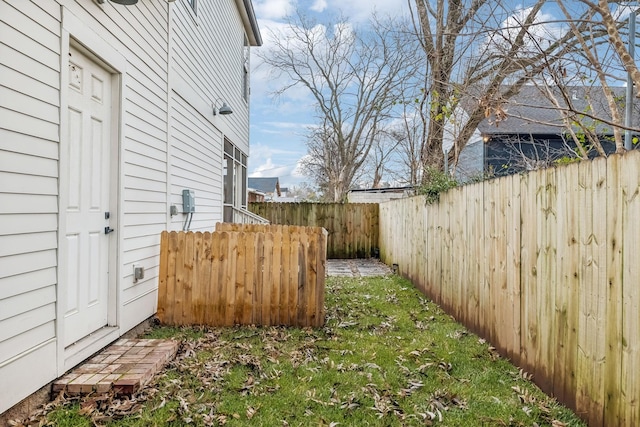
(138, 273)
(188, 201)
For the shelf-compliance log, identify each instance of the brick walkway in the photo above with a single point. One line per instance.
(124, 367)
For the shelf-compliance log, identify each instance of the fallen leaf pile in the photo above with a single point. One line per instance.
(387, 356)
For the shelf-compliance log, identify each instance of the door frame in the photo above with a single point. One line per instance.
(82, 37)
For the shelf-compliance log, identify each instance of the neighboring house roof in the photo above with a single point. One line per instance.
(267, 185)
(532, 112)
(378, 195)
(254, 191)
(382, 190)
(533, 122)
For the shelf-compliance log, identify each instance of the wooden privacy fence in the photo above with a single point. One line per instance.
(353, 227)
(547, 267)
(243, 274)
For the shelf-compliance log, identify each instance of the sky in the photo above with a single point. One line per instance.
(279, 126)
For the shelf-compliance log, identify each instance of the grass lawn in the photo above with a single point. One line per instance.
(386, 357)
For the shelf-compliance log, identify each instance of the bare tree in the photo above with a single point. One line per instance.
(479, 49)
(303, 192)
(590, 51)
(612, 27)
(586, 70)
(353, 75)
(441, 26)
(378, 165)
(409, 134)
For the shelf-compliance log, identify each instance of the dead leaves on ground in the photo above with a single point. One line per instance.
(366, 360)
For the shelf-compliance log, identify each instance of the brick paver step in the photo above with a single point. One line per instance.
(124, 367)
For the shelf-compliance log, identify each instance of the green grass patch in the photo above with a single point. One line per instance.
(387, 356)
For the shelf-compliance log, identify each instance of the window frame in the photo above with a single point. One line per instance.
(194, 6)
(234, 180)
(246, 55)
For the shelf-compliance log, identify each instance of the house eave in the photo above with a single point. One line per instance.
(250, 22)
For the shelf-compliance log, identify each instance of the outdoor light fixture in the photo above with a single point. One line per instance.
(224, 110)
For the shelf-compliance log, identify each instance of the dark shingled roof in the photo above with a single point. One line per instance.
(531, 112)
(265, 185)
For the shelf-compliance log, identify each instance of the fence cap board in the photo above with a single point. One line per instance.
(226, 226)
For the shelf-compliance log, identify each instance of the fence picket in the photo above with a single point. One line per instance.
(212, 295)
(179, 293)
(163, 274)
(613, 359)
(267, 272)
(234, 282)
(630, 362)
(201, 277)
(291, 301)
(278, 264)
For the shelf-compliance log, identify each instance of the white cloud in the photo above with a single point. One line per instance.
(288, 175)
(287, 167)
(361, 10)
(298, 171)
(266, 152)
(540, 34)
(357, 10)
(273, 9)
(621, 13)
(269, 169)
(319, 6)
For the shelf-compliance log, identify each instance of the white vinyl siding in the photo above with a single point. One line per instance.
(30, 44)
(196, 163)
(208, 55)
(29, 127)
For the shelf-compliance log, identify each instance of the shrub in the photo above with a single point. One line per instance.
(435, 182)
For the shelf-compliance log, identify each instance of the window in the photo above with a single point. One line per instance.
(235, 180)
(193, 4)
(245, 69)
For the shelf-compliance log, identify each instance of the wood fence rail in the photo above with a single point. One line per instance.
(353, 227)
(243, 274)
(544, 265)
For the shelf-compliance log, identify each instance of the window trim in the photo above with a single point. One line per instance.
(234, 180)
(246, 55)
(193, 4)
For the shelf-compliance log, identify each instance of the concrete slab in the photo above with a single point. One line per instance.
(368, 267)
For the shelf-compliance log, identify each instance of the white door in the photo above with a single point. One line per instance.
(86, 181)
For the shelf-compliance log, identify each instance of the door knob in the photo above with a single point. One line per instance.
(108, 230)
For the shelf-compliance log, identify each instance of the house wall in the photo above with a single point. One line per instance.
(29, 126)
(471, 161)
(167, 140)
(207, 59)
(34, 39)
(374, 197)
